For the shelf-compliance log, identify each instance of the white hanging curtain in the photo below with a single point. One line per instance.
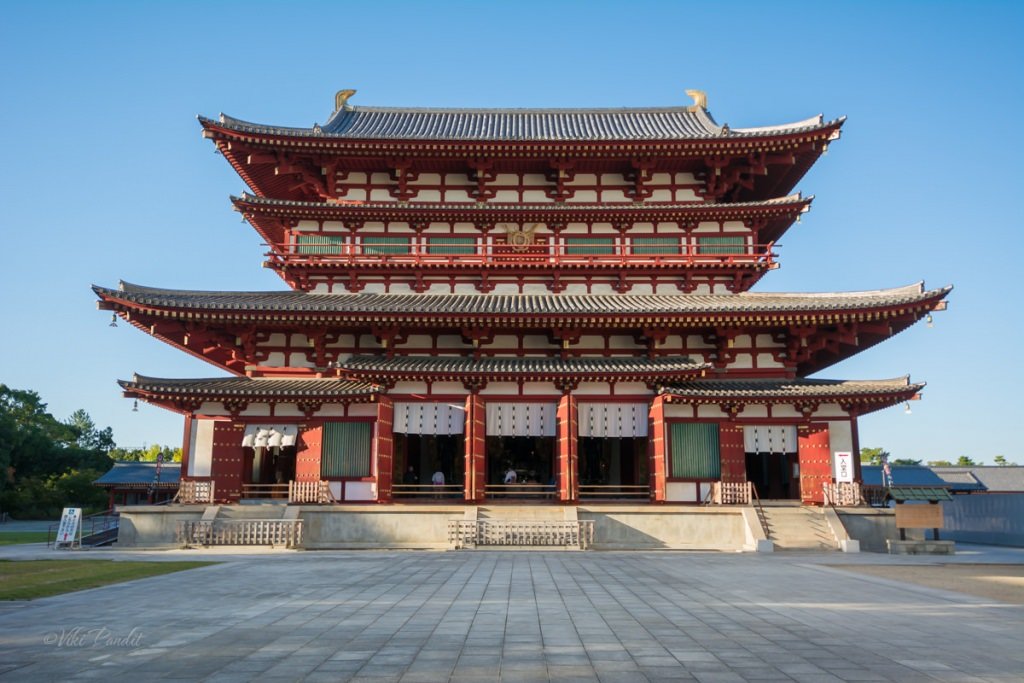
(429, 418)
(269, 436)
(612, 420)
(521, 419)
(769, 439)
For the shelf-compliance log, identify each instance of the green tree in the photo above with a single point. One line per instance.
(1002, 462)
(965, 461)
(873, 456)
(905, 462)
(939, 463)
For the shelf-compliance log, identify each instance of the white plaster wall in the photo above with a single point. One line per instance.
(830, 410)
(200, 450)
(500, 389)
(362, 410)
(287, 410)
(752, 411)
(711, 412)
(636, 388)
(593, 388)
(679, 411)
(212, 408)
(256, 410)
(332, 410)
(410, 388)
(840, 436)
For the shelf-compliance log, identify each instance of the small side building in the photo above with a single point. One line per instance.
(140, 483)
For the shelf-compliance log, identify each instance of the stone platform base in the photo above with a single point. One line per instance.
(921, 547)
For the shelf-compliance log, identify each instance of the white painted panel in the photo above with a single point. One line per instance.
(622, 342)
(830, 410)
(743, 360)
(681, 492)
(590, 342)
(661, 196)
(535, 288)
(381, 196)
(593, 389)
(584, 196)
(539, 388)
(521, 419)
(360, 490)
(336, 410)
(506, 288)
(615, 196)
(535, 197)
(362, 410)
(767, 360)
(275, 359)
(686, 195)
(679, 410)
(298, 360)
(840, 436)
(754, 411)
(410, 388)
(287, 410)
(457, 195)
(785, 410)
(510, 196)
(769, 439)
(640, 388)
(211, 408)
(612, 420)
(200, 450)
(256, 410)
(501, 388)
(710, 411)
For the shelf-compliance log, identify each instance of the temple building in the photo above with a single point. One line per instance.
(549, 305)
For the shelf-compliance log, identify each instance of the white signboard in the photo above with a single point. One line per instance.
(844, 467)
(68, 532)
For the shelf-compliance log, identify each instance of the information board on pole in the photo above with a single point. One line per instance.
(844, 467)
(69, 531)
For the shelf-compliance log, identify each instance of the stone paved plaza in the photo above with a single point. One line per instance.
(513, 616)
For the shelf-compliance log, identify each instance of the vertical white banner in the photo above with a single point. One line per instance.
(844, 467)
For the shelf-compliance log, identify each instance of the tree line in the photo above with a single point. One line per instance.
(877, 456)
(47, 464)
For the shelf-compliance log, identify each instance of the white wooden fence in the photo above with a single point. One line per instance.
(510, 532)
(285, 533)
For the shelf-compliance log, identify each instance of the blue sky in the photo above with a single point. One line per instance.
(105, 176)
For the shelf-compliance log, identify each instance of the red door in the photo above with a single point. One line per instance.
(815, 458)
(731, 449)
(568, 460)
(227, 461)
(385, 448)
(307, 453)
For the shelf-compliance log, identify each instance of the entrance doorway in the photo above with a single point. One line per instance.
(531, 458)
(776, 475)
(612, 462)
(426, 454)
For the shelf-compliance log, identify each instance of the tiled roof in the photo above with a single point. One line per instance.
(247, 387)
(792, 389)
(519, 304)
(549, 125)
(141, 474)
(465, 365)
(996, 479)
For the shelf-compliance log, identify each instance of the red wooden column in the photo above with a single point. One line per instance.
(186, 447)
(731, 449)
(308, 451)
(815, 456)
(476, 445)
(567, 454)
(385, 448)
(227, 460)
(855, 441)
(657, 448)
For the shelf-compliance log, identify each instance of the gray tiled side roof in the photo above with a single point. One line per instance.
(248, 387)
(785, 389)
(141, 474)
(459, 365)
(627, 124)
(518, 304)
(993, 478)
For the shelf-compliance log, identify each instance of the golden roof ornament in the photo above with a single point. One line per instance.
(700, 100)
(341, 98)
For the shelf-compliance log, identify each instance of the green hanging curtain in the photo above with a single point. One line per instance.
(385, 244)
(448, 246)
(346, 449)
(319, 244)
(732, 244)
(652, 246)
(589, 246)
(694, 449)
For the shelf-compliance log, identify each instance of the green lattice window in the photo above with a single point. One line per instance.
(653, 246)
(448, 246)
(319, 244)
(385, 244)
(694, 450)
(346, 449)
(724, 245)
(589, 246)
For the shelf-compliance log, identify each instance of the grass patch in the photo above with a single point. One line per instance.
(19, 537)
(42, 578)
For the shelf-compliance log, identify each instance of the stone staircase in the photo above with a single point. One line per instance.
(795, 527)
(521, 526)
(260, 524)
